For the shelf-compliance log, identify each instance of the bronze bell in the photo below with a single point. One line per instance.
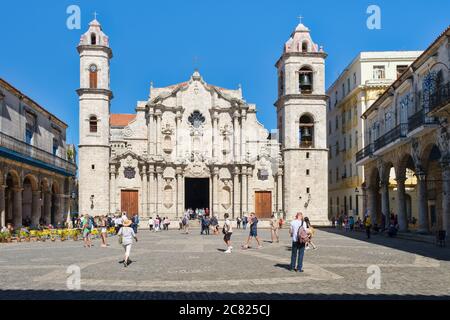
(305, 80)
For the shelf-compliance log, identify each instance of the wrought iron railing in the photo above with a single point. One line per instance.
(440, 97)
(365, 152)
(398, 132)
(30, 151)
(419, 119)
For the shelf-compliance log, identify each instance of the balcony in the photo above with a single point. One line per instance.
(364, 153)
(440, 100)
(398, 132)
(22, 152)
(420, 119)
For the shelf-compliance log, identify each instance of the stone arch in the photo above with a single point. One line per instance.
(55, 209)
(306, 130)
(13, 198)
(306, 79)
(434, 187)
(30, 201)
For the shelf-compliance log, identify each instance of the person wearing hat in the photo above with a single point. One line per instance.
(126, 235)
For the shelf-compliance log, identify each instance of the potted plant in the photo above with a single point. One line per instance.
(2, 237)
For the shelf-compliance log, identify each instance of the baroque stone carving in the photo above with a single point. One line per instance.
(129, 172)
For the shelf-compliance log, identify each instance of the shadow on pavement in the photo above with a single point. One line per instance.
(415, 247)
(173, 295)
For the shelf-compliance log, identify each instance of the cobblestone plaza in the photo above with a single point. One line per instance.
(171, 265)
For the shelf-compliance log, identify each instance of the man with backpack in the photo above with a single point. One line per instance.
(299, 234)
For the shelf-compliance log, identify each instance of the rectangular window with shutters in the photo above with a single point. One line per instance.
(93, 80)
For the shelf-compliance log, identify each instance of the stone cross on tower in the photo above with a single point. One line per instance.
(95, 15)
(300, 18)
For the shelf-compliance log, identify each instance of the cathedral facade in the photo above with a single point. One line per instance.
(196, 145)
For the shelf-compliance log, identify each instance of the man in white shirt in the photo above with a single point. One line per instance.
(298, 249)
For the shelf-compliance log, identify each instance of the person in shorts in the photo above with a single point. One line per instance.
(253, 221)
(104, 230)
(86, 227)
(228, 232)
(126, 234)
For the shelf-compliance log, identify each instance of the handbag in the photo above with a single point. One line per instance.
(120, 240)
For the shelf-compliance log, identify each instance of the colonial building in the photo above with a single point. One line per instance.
(408, 139)
(367, 76)
(37, 167)
(196, 145)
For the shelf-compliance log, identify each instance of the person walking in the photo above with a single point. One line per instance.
(298, 232)
(228, 232)
(86, 227)
(274, 229)
(104, 231)
(310, 231)
(126, 234)
(157, 225)
(244, 222)
(151, 223)
(135, 223)
(238, 222)
(253, 232)
(186, 223)
(368, 225)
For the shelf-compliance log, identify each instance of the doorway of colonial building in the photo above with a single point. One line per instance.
(196, 193)
(130, 202)
(263, 204)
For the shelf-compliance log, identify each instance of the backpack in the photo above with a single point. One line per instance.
(302, 235)
(184, 222)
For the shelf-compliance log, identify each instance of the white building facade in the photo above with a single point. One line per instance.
(357, 87)
(189, 145)
(408, 135)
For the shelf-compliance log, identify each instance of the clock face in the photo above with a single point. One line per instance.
(93, 68)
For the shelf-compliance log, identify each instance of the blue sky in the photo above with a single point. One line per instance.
(236, 42)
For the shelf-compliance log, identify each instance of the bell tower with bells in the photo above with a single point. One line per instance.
(301, 121)
(94, 99)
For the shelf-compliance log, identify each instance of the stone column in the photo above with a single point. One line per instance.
(385, 202)
(2, 207)
(144, 191)
(158, 132)
(179, 175)
(177, 134)
(236, 193)
(215, 185)
(215, 123)
(446, 196)
(112, 189)
(423, 203)
(280, 190)
(401, 204)
(151, 131)
(151, 190)
(242, 143)
(48, 207)
(236, 136)
(35, 208)
(59, 209)
(157, 191)
(17, 208)
(244, 191)
(372, 202)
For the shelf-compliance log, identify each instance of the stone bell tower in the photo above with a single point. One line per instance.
(301, 119)
(95, 98)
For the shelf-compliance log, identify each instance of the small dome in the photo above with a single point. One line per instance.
(301, 28)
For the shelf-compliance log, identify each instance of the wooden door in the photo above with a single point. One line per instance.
(130, 202)
(263, 204)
